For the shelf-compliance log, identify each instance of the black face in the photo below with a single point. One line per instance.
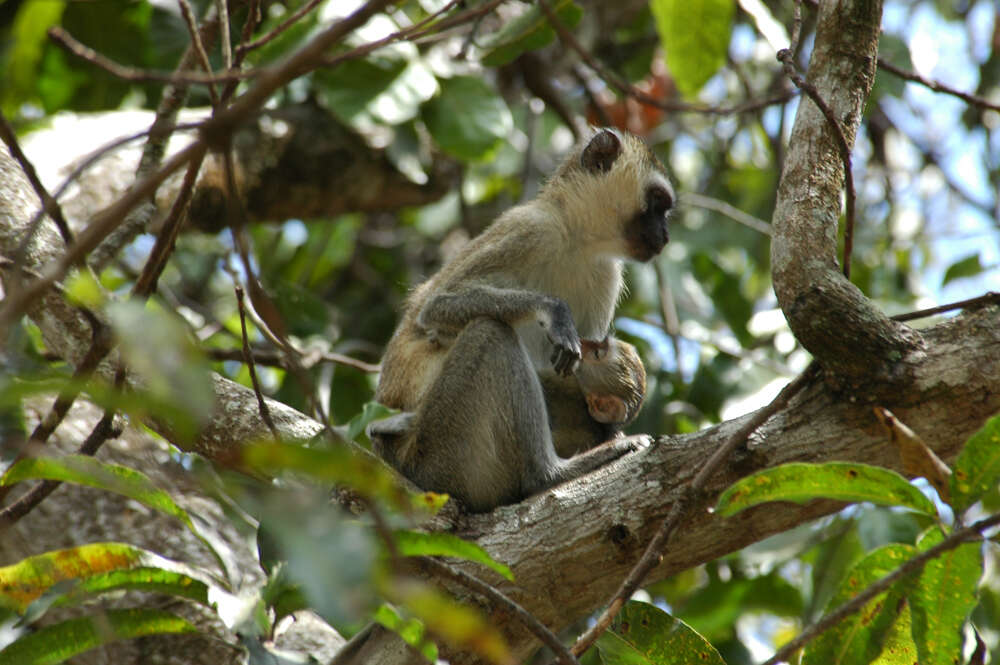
(646, 233)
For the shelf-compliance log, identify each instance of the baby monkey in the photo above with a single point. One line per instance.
(600, 400)
(492, 342)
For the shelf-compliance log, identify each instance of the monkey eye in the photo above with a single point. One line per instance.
(659, 201)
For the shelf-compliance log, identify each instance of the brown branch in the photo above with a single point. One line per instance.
(222, 9)
(732, 212)
(654, 551)
(101, 343)
(788, 61)
(245, 48)
(103, 430)
(411, 32)
(273, 358)
(199, 47)
(84, 52)
(49, 205)
(145, 285)
(937, 86)
(988, 298)
(265, 413)
(438, 568)
(215, 131)
(629, 90)
(968, 534)
(101, 224)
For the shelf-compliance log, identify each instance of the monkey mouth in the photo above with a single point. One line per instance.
(653, 240)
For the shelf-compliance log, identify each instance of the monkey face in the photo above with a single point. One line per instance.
(646, 233)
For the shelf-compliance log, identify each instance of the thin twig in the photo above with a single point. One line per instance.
(49, 205)
(245, 48)
(102, 431)
(988, 298)
(629, 90)
(100, 345)
(84, 52)
(441, 569)
(937, 86)
(411, 32)
(199, 47)
(831, 619)
(253, 18)
(225, 43)
(668, 309)
(101, 224)
(274, 358)
(171, 100)
(732, 212)
(265, 412)
(654, 551)
(145, 284)
(215, 131)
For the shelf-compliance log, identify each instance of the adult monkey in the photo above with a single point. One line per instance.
(465, 362)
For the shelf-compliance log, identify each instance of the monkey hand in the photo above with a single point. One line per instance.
(561, 332)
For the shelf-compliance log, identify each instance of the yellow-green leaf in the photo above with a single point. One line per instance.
(977, 469)
(56, 643)
(695, 38)
(841, 481)
(98, 567)
(941, 599)
(859, 637)
(415, 543)
(644, 634)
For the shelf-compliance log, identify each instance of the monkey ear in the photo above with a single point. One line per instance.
(601, 152)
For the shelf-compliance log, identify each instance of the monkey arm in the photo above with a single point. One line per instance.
(446, 314)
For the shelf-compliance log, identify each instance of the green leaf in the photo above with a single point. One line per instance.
(336, 464)
(468, 119)
(859, 637)
(896, 51)
(695, 38)
(977, 469)
(28, 38)
(56, 643)
(841, 481)
(413, 631)
(970, 266)
(85, 470)
(98, 567)
(370, 412)
(830, 562)
(415, 543)
(899, 648)
(176, 378)
(529, 31)
(643, 633)
(942, 598)
(83, 289)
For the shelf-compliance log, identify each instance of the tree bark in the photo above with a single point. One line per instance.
(858, 345)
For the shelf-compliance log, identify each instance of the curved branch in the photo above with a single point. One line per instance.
(833, 320)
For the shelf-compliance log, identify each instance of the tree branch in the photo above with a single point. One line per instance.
(852, 339)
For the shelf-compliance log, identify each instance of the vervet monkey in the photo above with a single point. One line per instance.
(601, 399)
(465, 362)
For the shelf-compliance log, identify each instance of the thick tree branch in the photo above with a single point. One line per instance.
(832, 319)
